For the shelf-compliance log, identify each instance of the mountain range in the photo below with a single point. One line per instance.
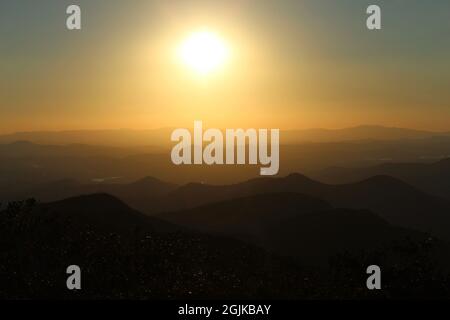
(25, 163)
(293, 224)
(287, 224)
(392, 199)
(160, 137)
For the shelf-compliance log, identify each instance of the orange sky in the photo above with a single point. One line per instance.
(288, 68)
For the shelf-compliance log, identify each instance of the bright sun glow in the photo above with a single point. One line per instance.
(204, 52)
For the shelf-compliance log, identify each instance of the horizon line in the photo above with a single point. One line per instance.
(170, 128)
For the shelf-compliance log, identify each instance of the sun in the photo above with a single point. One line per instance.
(204, 52)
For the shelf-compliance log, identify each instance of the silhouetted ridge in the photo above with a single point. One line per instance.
(150, 182)
(383, 179)
(242, 215)
(102, 212)
(433, 178)
(293, 224)
(391, 198)
(385, 182)
(191, 190)
(298, 177)
(194, 186)
(292, 178)
(88, 201)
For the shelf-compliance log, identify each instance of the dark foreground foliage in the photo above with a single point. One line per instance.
(35, 252)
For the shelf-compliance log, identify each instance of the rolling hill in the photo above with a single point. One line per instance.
(394, 200)
(294, 225)
(430, 177)
(101, 213)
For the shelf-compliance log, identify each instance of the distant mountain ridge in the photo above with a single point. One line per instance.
(294, 225)
(25, 164)
(137, 193)
(394, 200)
(431, 177)
(113, 137)
(363, 132)
(128, 137)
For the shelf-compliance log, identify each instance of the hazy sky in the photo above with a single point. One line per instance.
(294, 64)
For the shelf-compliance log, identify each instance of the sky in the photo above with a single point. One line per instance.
(293, 65)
